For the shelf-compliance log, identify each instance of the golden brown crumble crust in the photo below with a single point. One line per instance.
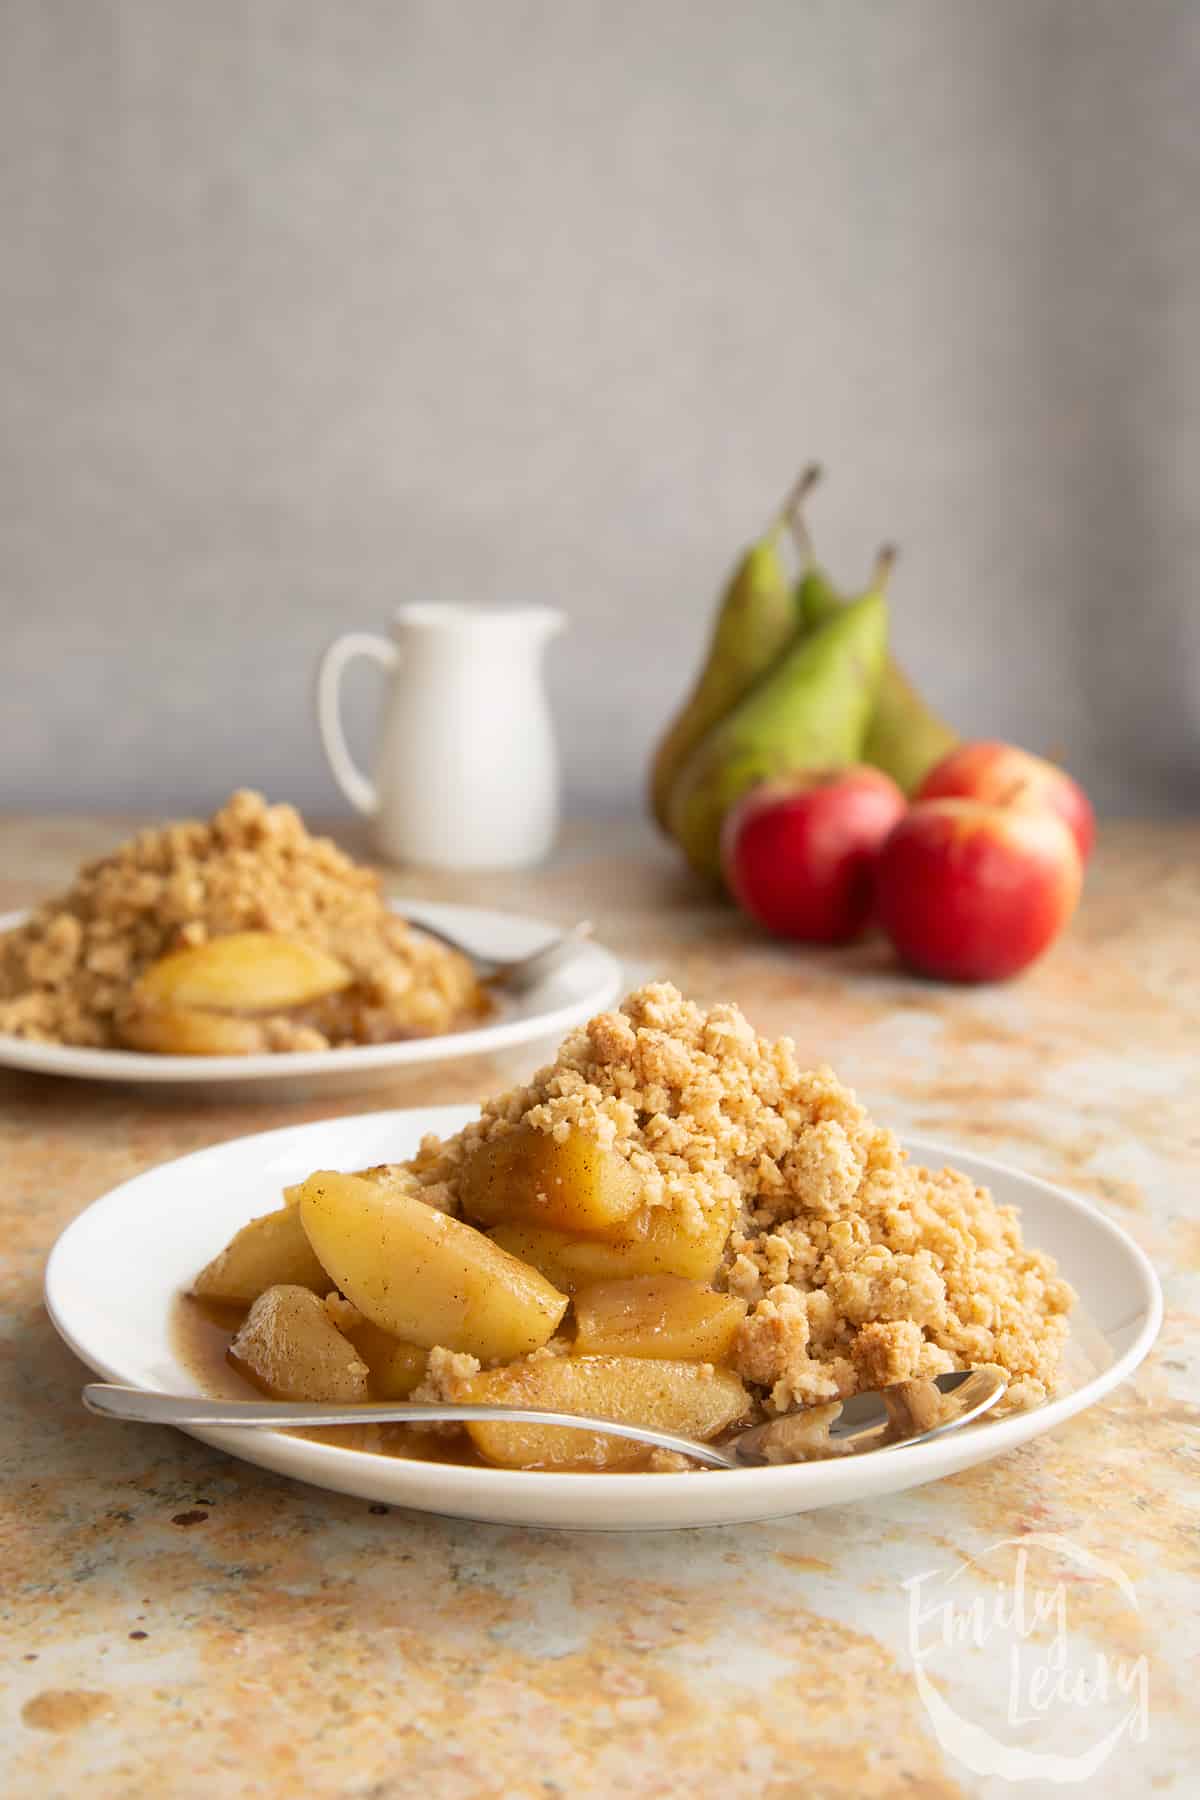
(66, 973)
(859, 1269)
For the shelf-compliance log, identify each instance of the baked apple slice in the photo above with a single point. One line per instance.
(272, 1251)
(658, 1316)
(663, 1247)
(422, 1275)
(394, 1368)
(188, 1031)
(289, 1347)
(245, 971)
(528, 1177)
(693, 1400)
(199, 1001)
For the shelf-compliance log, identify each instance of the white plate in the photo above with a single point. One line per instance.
(114, 1274)
(586, 983)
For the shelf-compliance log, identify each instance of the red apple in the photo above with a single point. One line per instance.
(969, 892)
(799, 853)
(1002, 775)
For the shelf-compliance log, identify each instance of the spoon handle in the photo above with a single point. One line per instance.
(113, 1402)
(884, 1418)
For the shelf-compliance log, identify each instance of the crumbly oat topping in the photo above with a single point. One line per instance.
(443, 1372)
(66, 974)
(859, 1269)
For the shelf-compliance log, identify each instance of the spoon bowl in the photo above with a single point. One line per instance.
(516, 973)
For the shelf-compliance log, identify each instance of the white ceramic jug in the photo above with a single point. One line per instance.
(465, 773)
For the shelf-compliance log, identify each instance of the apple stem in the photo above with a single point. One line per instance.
(1014, 792)
(885, 562)
(792, 513)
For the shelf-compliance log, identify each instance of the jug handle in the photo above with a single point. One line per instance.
(360, 792)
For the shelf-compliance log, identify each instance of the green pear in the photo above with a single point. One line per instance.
(756, 618)
(811, 711)
(905, 737)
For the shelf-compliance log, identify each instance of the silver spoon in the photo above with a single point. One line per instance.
(515, 972)
(910, 1413)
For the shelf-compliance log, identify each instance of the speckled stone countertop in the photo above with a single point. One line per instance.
(176, 1623)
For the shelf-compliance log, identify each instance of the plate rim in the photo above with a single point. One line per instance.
(926, 1461)
(84, 1063)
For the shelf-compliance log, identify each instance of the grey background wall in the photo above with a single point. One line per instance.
(309, 307)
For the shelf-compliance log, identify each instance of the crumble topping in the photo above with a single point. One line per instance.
(65, 975)
(704, 1110)
(439, 1384)
(859, 1269)
(444, 1370)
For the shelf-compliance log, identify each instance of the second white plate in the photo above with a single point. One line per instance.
(586, 983)
(114, 1275)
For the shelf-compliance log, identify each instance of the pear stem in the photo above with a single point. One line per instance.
(885, 562)
(792, 512)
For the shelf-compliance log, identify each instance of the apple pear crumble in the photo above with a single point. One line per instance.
(239, 935)
(673, 1224)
